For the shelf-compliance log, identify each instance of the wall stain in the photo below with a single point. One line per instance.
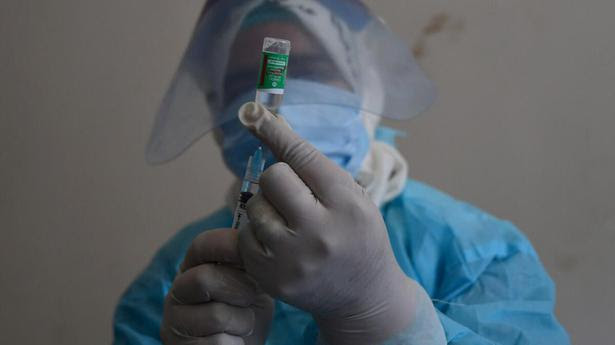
(439, 23)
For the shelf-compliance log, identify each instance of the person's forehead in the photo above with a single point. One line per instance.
(248, 43)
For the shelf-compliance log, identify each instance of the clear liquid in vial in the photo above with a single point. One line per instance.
(271, 101)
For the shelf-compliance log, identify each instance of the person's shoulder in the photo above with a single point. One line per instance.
(449, 218)
(422, 198)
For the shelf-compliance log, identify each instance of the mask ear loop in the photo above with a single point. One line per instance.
(371, 121)
(384, 170)
(372, 102)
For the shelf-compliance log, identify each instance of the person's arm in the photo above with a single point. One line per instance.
(425, 330)
(511, 303)
(139, 312)
(482, 273)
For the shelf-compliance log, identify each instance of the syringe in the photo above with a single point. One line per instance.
(249, 186)
(269, 92)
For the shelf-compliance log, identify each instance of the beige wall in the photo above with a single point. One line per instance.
(523, 128)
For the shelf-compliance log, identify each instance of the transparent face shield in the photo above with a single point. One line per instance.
(340, 44)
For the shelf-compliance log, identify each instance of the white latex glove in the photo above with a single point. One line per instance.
(213, 301)
(316, 241)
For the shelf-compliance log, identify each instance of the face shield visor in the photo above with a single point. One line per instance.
(338, 43)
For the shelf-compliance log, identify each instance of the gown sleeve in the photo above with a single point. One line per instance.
(483, 275)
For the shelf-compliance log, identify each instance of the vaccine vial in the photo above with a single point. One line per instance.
(272, 74)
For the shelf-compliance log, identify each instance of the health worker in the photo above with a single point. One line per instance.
(341, 247)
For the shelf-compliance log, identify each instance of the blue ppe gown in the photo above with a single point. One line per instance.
(485, 279)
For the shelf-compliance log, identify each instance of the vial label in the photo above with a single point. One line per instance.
(272, 76)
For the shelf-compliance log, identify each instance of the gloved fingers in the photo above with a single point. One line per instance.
(267, 225)
(206, 319)
(173, 337)
(214, 246)
(288, 194)
(314, 168)
(212, 282)
(259, 260)
(253, 252)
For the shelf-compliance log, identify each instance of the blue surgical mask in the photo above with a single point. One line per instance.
(335, 130)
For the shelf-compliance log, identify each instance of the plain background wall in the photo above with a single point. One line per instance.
(523, 128)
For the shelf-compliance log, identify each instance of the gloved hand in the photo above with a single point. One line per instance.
(213, 301)
(316, 241)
